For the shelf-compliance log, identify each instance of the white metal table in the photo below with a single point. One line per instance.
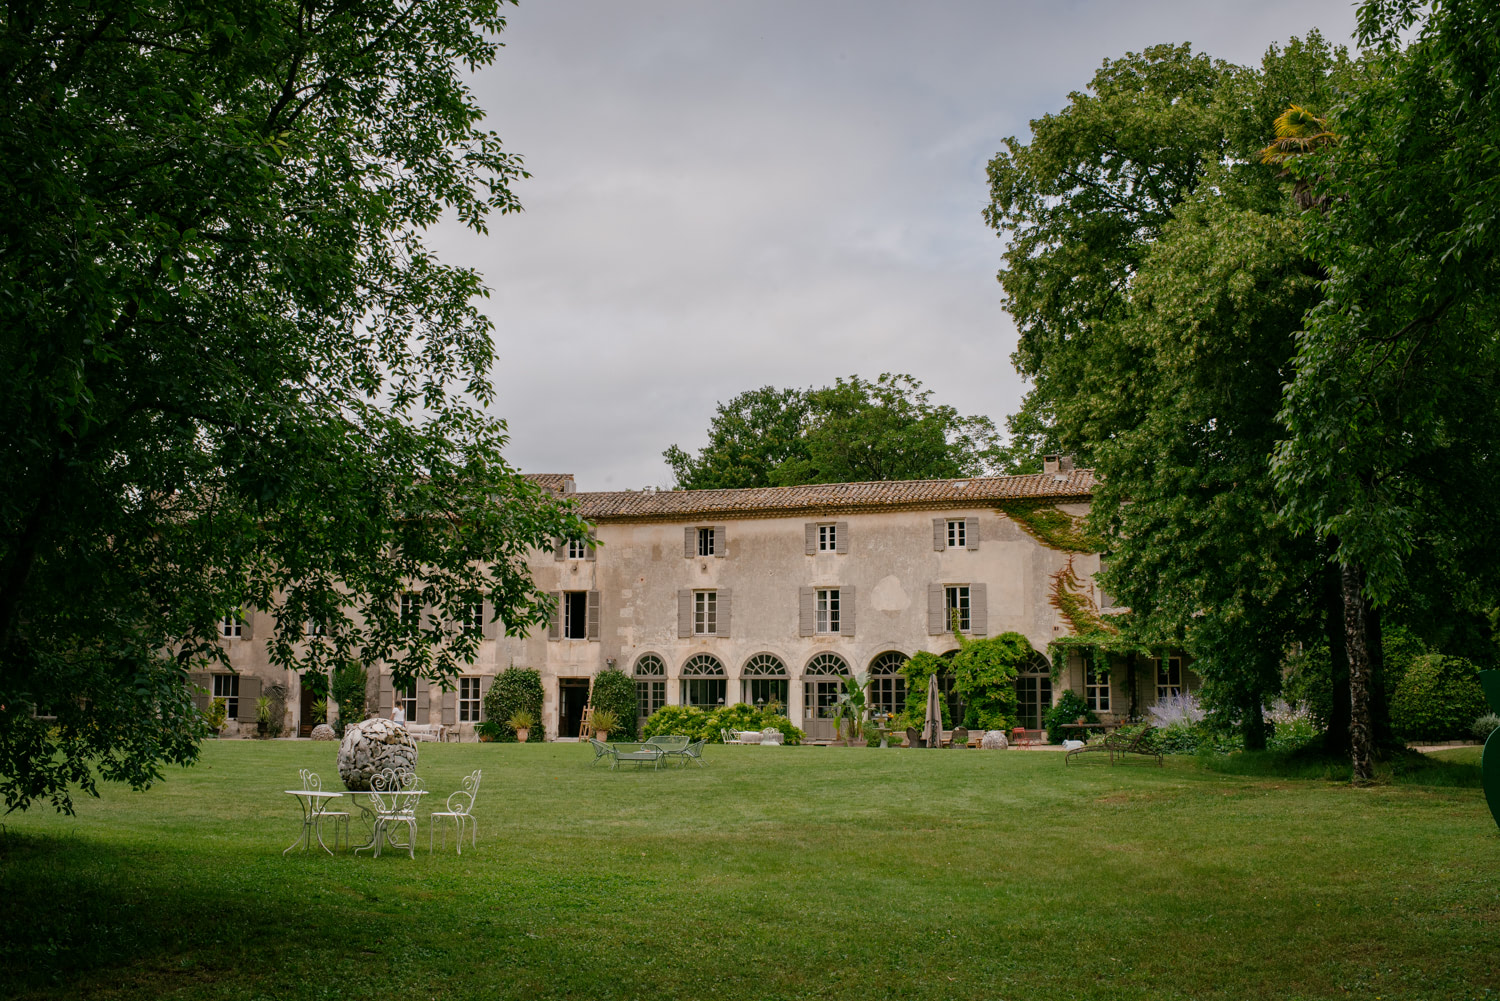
(314, 805)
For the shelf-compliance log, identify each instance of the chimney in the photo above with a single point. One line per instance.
(1057, 463)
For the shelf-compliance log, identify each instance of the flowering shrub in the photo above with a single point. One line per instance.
(1292, 725)
(1178, 710)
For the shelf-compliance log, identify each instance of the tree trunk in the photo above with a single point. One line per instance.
(1336, 739)
(1130, 682)
(1253, 724)
(1356, 631)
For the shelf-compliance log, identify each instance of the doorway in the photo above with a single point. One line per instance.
(572, 696)
(305, 721)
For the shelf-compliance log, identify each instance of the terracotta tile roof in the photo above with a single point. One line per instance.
(558, 483)
(824, 499)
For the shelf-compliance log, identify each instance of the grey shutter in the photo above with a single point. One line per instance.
(940, 533)
(249, 692)
(721, 540)
(491, 629)
(484, 689)
(805, 614)
(971, 533)
(247, 627)
(846, 611)
(979, 613)
(387, 696)
(554, 624)
(591, 623)
(841, 537)
(721, 628)
(559, 548)
(935, 611)
(810, 538)
(684, 614)
(588, 551)
(204, 680)
(450, 708)
(690, 542)
(424, 700)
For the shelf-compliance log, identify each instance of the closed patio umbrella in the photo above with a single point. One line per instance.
(932, 726)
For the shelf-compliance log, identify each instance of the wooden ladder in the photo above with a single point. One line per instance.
(586, 724)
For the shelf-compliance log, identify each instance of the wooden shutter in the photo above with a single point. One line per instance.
(841, 537)
(979, 614)
(249, 692)
(554, 624)
(971, 533)
(588, 551)
(684, 613)
(936, 614)
(805, 611)
(940, 533)
(690, 542)
(491, 629)
(450, 708)
(424, 700)
(721, 628)
(721, 540)
(846, 611)
(387, 695)
(810, 538)
(204, 680)
(591, 623)
(484, 689)
(247, 626)
(559, 548)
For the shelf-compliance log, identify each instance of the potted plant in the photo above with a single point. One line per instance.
(604, 722)
(218, 715)
(488, 731)
(262, 714)
(320, 711)
(522, 722)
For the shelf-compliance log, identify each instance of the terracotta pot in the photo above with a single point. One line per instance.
(521, 736)
(602, 736)
(485, 738)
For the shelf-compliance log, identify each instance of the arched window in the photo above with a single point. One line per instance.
(703, 682)
(650, 684)
(1033, 693)
(763, 681)
(827, 663)
(822, 683)
(887, 685)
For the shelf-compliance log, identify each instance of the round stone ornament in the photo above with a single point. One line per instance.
(323, 732)
(995, 740)
(374, 746)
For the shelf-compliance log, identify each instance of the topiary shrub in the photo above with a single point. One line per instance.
(1438, 698)
(516, 689)
(614, 692)
(1069, 707)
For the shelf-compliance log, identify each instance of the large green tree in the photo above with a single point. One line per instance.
(1393, 409)
(853, 431)
(231, 374)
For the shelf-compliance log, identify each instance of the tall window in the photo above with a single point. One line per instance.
(705, 612)
(575, 615)
(1033, 699)
(408, 698)
(1095, 689)
(958, 537)
(473, 618)
(650, 684)
(232, 626)
(703, 682)
(828, 538)
(312, 627)
(957, 602)
(763, 681)
(822, 685)
(227, 687)
(1168, 678)
(705, 542)
(468, 700)
(411, 610)
(827, 609)
(887, 686)
(578, 549)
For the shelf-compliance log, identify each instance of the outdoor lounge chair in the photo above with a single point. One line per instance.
(692, 752)
(601, 750)
(460, 811)
(1120, 744)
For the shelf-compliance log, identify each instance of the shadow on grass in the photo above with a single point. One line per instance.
(1398, 767)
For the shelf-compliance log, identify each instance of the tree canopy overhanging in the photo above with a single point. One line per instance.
(234, 377)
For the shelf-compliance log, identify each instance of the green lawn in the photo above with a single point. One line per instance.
(771, 873)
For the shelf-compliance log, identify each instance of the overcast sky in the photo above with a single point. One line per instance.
(728, 195)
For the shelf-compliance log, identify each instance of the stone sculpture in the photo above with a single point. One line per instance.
(371, 747)
(995, 740)
(323, 732)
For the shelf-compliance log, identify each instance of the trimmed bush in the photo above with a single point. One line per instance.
(614, 691)
(684, 720)
(1069, 707)
(516, 689)
(1438, 698)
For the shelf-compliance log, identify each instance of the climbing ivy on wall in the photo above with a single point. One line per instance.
(1051, 526)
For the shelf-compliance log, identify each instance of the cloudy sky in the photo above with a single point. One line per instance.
(730, 194)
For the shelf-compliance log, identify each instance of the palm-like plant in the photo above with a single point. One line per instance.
(849, 711)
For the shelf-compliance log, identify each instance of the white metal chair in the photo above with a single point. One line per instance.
(312, 783)
(460, 811)
(394, 796)
(730, 736)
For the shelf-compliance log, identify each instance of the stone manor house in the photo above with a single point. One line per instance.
(707, 597)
